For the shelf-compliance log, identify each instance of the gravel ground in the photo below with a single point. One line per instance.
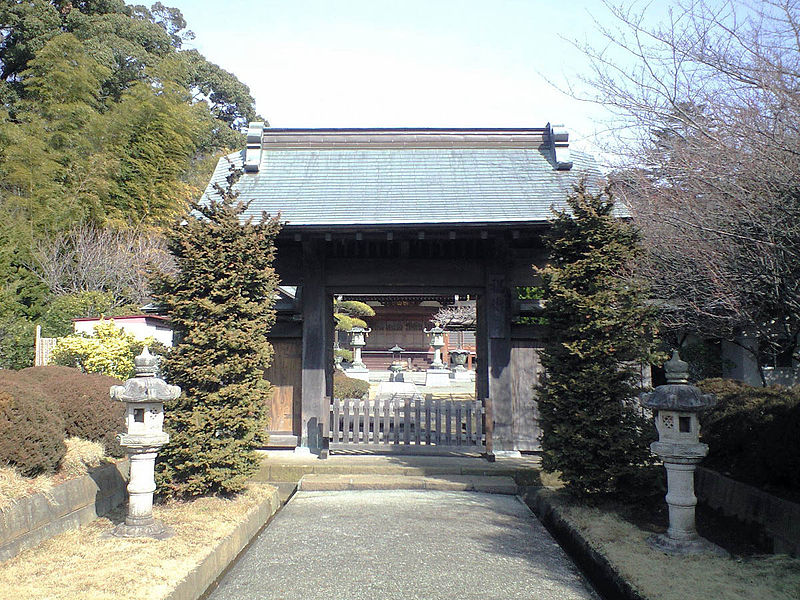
(404, 544)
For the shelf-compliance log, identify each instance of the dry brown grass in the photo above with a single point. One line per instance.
(661, 577)
(83, 564)
(14, 486)
(81, 456)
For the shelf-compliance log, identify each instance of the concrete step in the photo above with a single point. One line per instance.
(292, 469)
(452, 483)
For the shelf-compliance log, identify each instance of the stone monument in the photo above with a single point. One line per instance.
(675, 407)
(398, 364)
(358, 339)
(438, 374)
(144, 396)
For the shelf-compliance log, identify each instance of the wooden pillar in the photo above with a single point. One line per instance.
(481, 349)
(497, 312)
(315, 344)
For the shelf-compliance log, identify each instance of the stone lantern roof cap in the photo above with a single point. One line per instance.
(678, 394)
(145, 387)
(396, 348)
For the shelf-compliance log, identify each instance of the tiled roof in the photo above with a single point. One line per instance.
(358, 182)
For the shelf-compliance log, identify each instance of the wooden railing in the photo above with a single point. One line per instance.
(408, 425)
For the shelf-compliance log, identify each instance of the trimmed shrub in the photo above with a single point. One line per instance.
(220, 301)
(753, 433)
(83, 398)
(31, 427)
(601, 329)
(348, 387)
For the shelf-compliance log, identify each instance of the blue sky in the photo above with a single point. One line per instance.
(382, 63)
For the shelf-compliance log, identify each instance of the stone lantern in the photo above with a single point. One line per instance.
(676, 406)
(398, 364)
(144, 396)
(358, 339)
(438, 374)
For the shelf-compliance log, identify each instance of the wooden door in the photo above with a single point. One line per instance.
(285, 376)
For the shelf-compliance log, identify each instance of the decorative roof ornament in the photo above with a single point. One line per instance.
(676, 370)
(252, 153)
(677, 393)
(559, 141)
(146, 364)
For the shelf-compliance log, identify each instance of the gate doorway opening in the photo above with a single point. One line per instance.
(419, 357)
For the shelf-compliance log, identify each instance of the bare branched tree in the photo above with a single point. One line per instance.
(708, 110)
(91, 259)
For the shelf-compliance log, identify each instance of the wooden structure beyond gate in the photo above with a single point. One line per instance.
(410, 425)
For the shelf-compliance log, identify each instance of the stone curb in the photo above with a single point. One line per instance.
(75, 502)
(606, 579)
(197, 582)
(455, 483)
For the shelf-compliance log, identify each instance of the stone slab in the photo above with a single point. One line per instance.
(437, 378)
(455, 483)
(285, 466)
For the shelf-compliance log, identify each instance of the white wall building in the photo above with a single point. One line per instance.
(139, 326)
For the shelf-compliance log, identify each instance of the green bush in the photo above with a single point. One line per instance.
(753, 433)
(348, 387)
(601, 329)
(31, 427)
(17, 342)
(84, 401)
(108, 351)
(220, 301)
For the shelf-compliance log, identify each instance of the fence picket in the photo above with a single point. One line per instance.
(387, 420)
(468, 410)
(448, 424)
(427, 419)
(458, 422)
(396, 411)
(379, 422)
(407, 421)
(417, 420)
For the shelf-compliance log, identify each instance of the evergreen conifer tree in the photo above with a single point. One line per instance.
(221, 305)
(600, 333)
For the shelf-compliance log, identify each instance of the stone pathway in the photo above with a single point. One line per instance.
(431, 545)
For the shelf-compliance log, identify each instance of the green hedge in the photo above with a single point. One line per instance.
(753, 433)
(83, 398)
(31, 427)
(348, 387)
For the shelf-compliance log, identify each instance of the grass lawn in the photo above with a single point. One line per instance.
(658, 576)
(84, 564)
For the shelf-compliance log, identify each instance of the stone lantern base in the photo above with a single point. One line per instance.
(437, 377)
(358, 372)
(156, 529)
(697, 545)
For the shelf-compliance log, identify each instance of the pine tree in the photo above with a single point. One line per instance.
(600, 332)
(221, 305)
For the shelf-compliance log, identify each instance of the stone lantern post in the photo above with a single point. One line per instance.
(675, 407)
(144, 396)
(358, 339)
(438, 374)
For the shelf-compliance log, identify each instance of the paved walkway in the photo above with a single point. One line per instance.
(389, 545)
